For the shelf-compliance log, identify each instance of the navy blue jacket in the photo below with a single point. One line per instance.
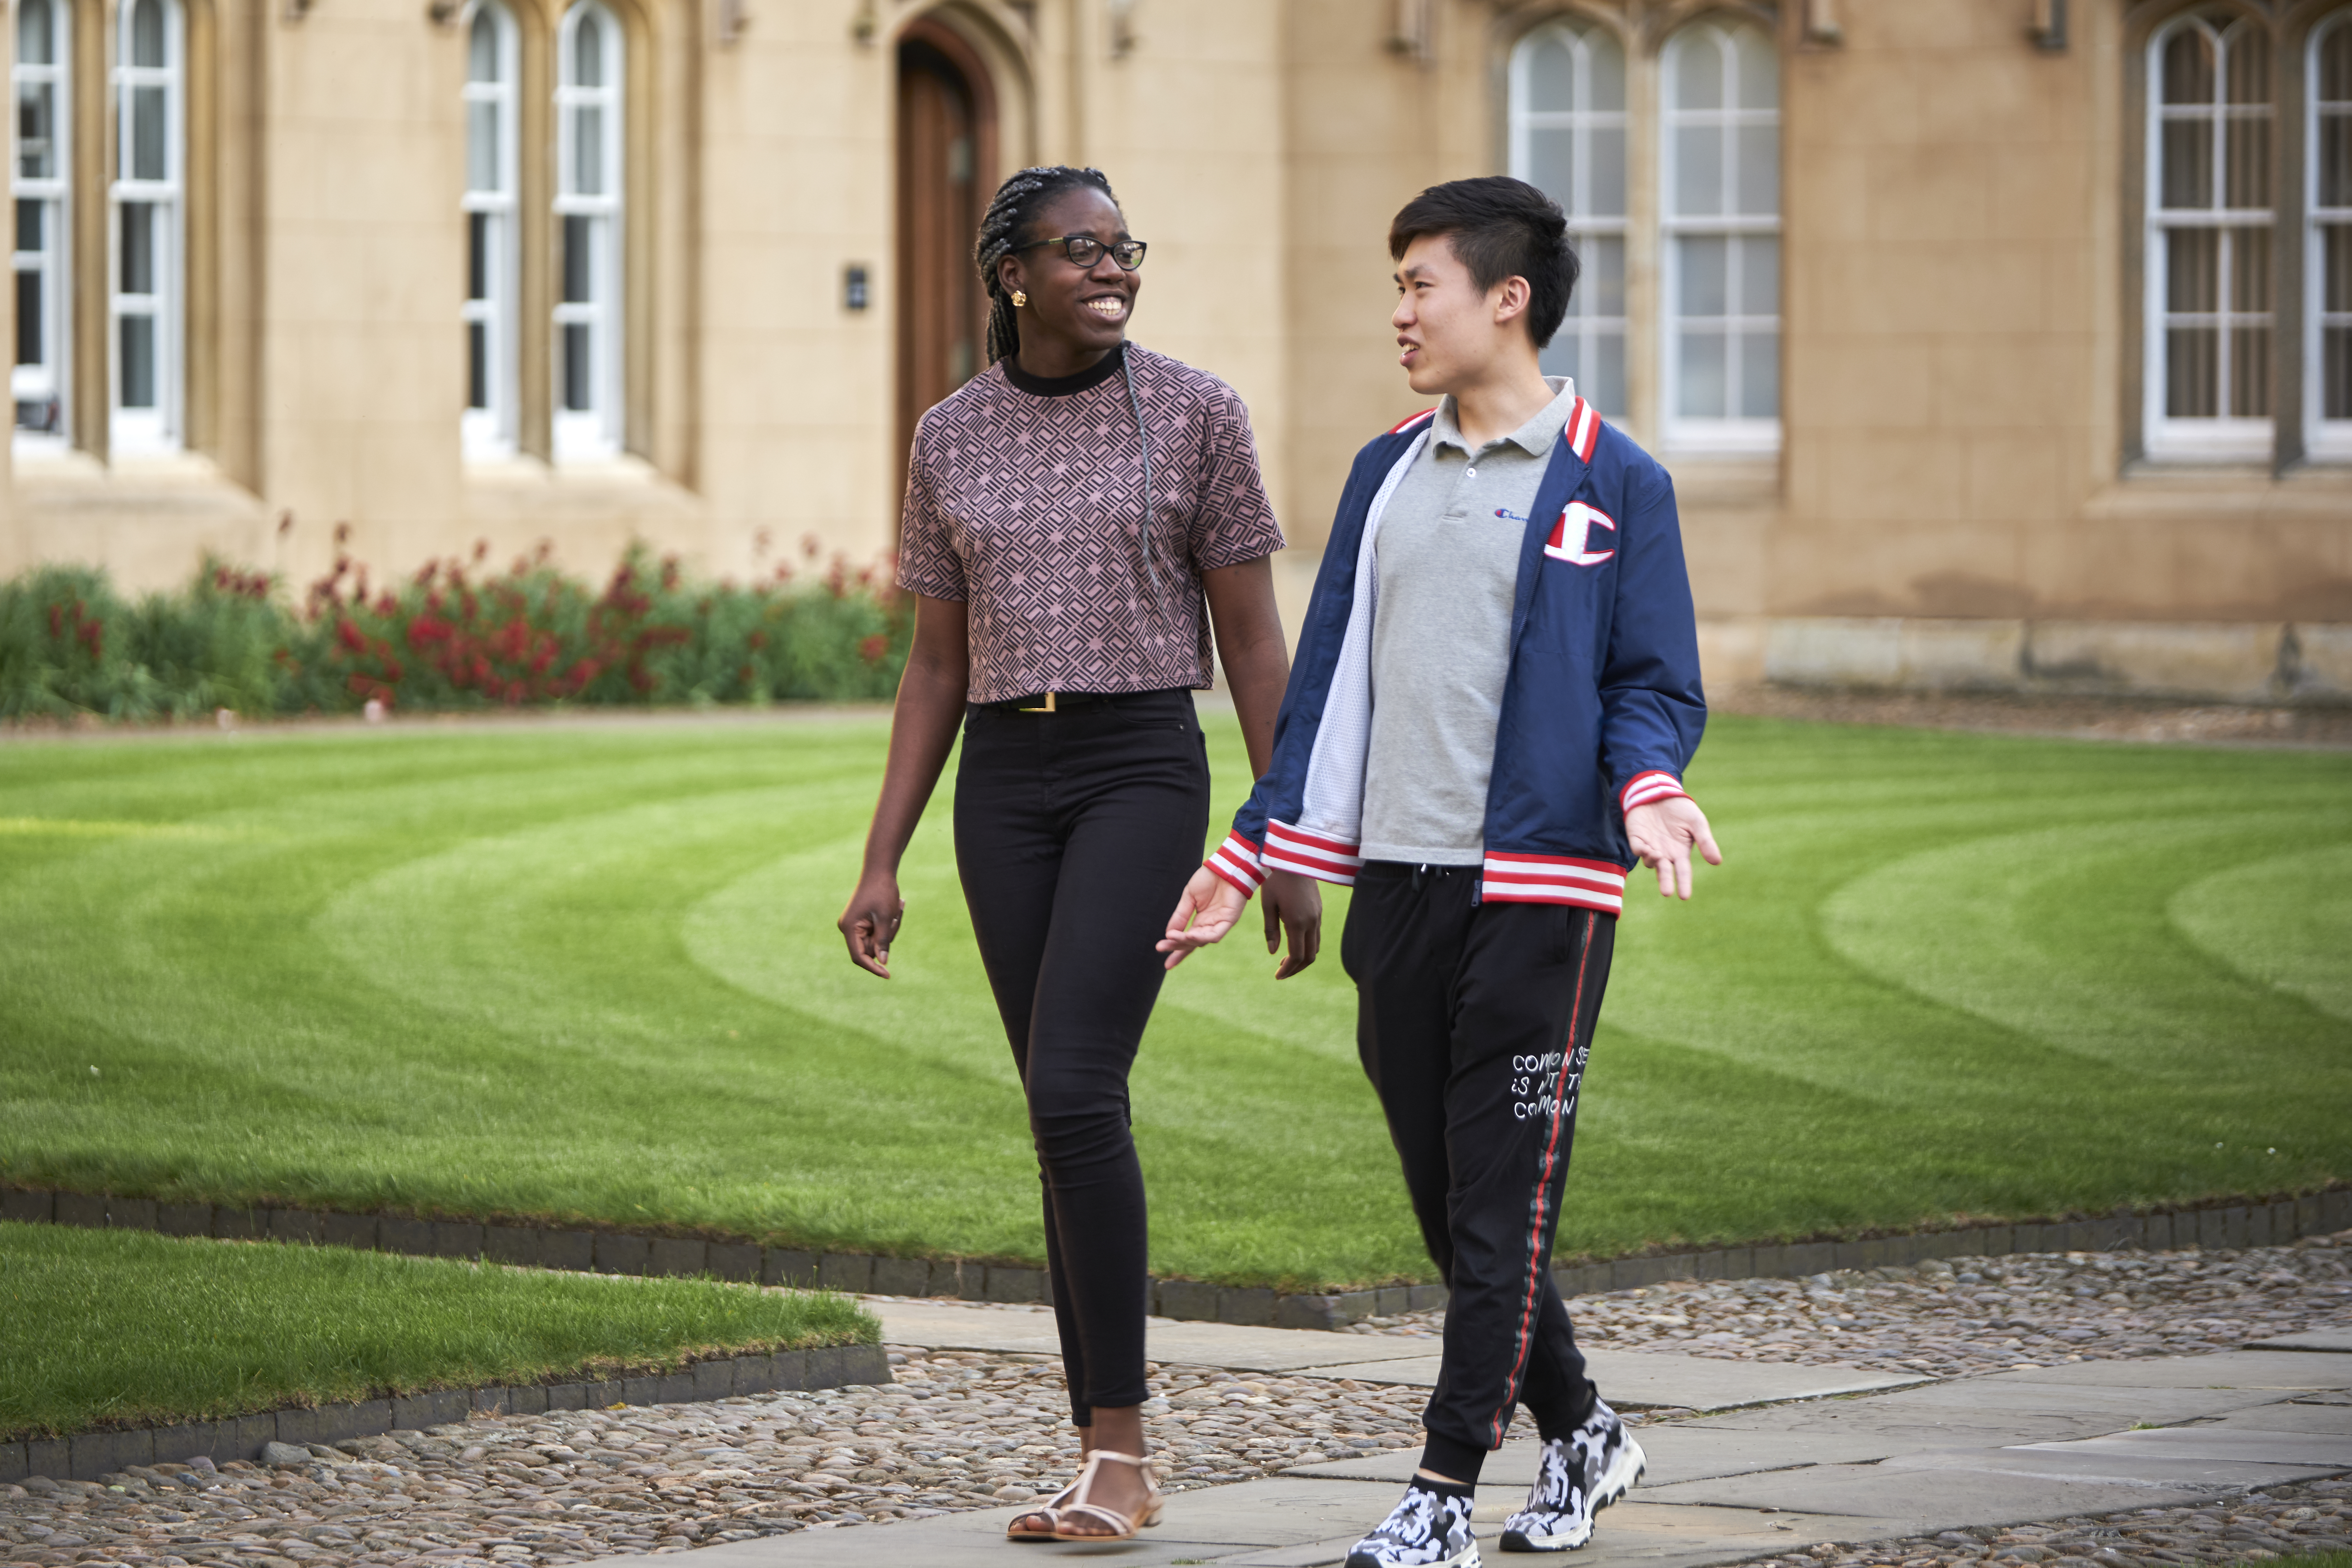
(1601, 705)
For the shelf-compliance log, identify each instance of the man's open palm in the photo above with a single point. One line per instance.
(1664, 835)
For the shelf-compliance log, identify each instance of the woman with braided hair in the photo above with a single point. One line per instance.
(1067, 513)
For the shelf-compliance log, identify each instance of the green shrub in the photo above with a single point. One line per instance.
(451, 635)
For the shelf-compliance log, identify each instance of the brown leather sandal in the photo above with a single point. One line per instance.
(1121, 1527)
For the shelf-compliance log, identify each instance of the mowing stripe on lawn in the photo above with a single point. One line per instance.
(590, 978)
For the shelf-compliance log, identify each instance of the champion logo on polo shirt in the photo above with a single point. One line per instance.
(1504, 511)
(1572, 536)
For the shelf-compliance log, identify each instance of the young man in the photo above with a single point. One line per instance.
(1496, 695)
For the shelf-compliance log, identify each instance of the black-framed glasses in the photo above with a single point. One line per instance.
(1085, 250)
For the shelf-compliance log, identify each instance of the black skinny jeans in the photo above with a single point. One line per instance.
(1075, 832)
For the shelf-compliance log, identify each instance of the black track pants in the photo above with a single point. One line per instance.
(1074, 833)
(1474, 1022)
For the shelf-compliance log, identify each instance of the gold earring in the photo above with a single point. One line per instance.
(1019, 298)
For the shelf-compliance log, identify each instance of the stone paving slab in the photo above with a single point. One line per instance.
(1969, 1487)
(2249, 1444)
(1283, 1522)
(2305, 1415)
(1030, 1329)
(1680, 1452)
(1213, 1525)
(2283, 1370)
(1983, 1412)
(1662, 1535)
(1651, 1380)
(2336, 1339)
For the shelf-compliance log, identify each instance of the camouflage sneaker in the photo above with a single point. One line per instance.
(1577, 1476)
(1425, 1530)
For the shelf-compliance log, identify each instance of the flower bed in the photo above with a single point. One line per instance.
(451, 635)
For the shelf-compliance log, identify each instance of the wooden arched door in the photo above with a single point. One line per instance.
(947, 159)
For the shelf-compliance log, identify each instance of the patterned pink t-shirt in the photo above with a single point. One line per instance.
(1026, 507)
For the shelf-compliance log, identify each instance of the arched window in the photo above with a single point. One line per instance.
(588, 101)
(42, 178)
(2327, 355)
(1568, 139)
(1720, 160)
(2209, 223)
(149, 157)
(490, 232)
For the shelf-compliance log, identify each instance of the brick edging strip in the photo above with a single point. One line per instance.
(2218, 1227)
(91, 1455)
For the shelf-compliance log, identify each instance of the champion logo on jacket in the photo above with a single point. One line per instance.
(1602, 707)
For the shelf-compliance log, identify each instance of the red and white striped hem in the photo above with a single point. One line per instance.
(1553, 879)
(1289, 848)
(1236, 861)
(1649, 789)
(1402, 426)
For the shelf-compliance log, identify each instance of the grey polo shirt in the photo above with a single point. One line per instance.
(1448, 556)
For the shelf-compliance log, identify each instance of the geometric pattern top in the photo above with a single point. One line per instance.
(1027, 508)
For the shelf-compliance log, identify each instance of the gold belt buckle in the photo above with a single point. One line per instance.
(1048, 706)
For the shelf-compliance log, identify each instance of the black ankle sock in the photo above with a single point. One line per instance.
(1447, 1489)
(1451, 1456)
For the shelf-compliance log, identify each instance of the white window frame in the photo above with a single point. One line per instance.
(2224, 437)
(594, 432)
(2324, 440)
(488, 432)
(155, 429)
(1585, 325)
(1738, 434)
(52, 380)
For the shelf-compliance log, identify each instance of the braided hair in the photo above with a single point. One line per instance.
(1010, 213)
(1001, 228)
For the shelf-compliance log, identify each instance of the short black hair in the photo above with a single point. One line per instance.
(1498, 227)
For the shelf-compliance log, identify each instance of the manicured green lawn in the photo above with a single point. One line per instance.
(592, 973)
(123, 1327)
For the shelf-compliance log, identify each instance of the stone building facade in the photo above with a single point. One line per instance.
(1990, 342)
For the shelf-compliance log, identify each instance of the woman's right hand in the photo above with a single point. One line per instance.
(870, 923)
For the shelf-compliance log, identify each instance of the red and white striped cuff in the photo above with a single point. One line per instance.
(1238, 863)
(1326, 859)
(1649, 789)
